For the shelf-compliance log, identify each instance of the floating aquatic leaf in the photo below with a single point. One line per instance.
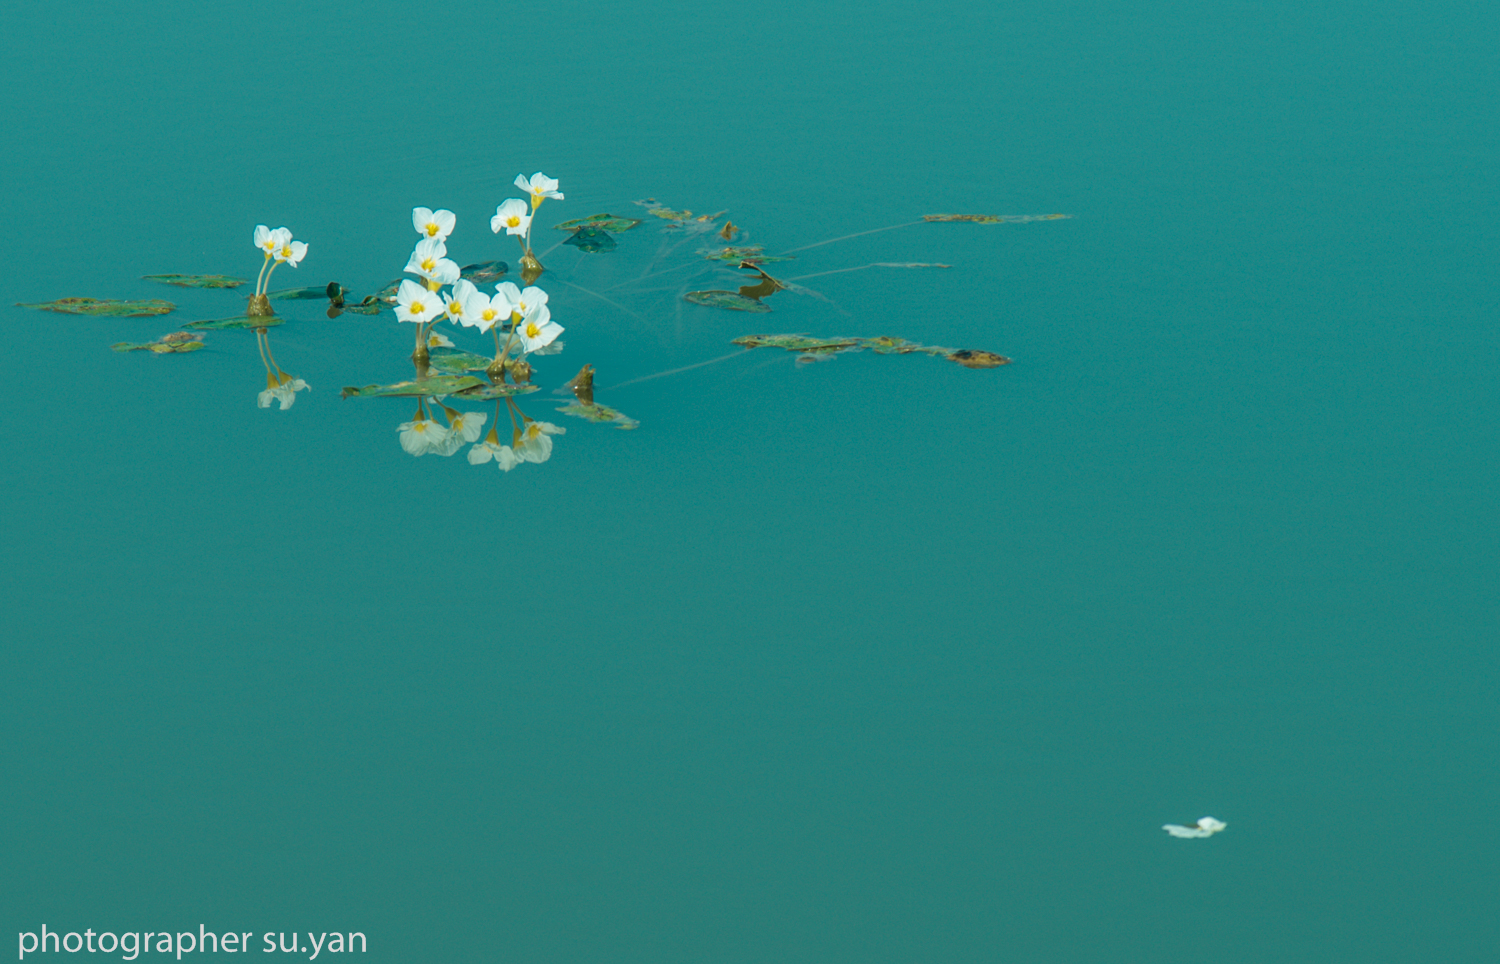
(593, 240)
(175, 343)
(884, 345)
(488, 392)
(599, 413)
(484, 272)
(431, 385)
(239, 321)
(456, 362)
(667, 214)
(388, 293)
(995, 218)
(196, 280)
(605, 222)
(106, 307)
(313, 293)
(753, 254)
(731, 300)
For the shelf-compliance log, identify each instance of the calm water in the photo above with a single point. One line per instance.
(873, 660)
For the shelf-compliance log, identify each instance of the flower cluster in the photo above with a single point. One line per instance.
(278, 247)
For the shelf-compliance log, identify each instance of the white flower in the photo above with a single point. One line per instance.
(537, 329)
(416, 303)
(512, 215)
(433, 224)
(489, 312)
(291, 252)
(421, 435)
(437, 339)
(530, 297)
(429, 260)
(1206, 827)
(535, 442)
(283, 392)
(540, 187)
(508, 296)
(465, 304)
(270, 241)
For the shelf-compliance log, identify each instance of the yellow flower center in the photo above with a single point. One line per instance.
(532, 331)
(428, 264)
(417, 307)
(514, 221)
(419, 426)
(432, 230)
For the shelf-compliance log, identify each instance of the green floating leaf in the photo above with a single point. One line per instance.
(196, 280)
(995, 218)
(106, 307)
(731, 300)
(489, 392)
(175, 343)
(239, 321)
(456, 361)
(604, 222)
(299, 294)
(599, 413)
(432, 385)
(883, 345)
(592, 240)
(752, 253)
(482, 273)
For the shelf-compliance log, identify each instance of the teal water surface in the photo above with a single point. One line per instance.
(872, 659)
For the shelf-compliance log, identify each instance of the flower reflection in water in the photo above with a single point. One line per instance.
(280, 387)
(422, 435)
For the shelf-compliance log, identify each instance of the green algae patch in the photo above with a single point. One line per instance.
(178, 342)
(604, 222)
(593, 240)
(483, 273)
(239, 321)
(431, 385)
(105, 307)
(995, 218)
(456, 361)
(196, 280)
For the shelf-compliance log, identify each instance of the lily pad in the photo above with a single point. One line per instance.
(797, 343)
(599, 413)
(995, 218)
(753, 254)
(106, 307)
(174, 343)
(196, 280)
(977, 359)
(432, 385)
(488, 392)
(484, 272)
(883, 345)
(604, 222)
(591, 239)
(732, 300)
(456, 361)
(239, 321)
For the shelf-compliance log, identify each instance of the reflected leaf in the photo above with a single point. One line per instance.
(604, 222)
(591, 239)
(484, 272)
(105, 307)
(239, 321)
(175, 343)
(314, 293)
(883, 345)
(752, 254)
(487, 392)
(995, 218)
(731, 300)
(432, 385)
(196, 280)
(457, 361)
(602, 414)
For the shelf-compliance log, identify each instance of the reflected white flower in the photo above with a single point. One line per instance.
(555, 348)
(284, 393)
(421, 435)
(537, 329)
(1206, 827)
(433, 224)
(491, 448)
(429, 259)
(438, 340)
(270, 241)
(539, 186)
(511, 216)
(463, 427)
(416, 303)
(534, 443)
(465, 304)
